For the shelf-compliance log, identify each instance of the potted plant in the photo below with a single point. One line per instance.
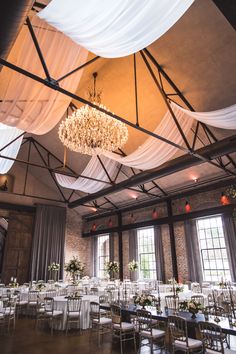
(75, 268)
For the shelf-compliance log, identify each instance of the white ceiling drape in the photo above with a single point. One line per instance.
(27, 104)
(93, 169)
(154, 152)
(114, 28)
(8, 134)
(224, 118)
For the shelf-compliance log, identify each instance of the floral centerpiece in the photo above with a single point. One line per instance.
(40, 286)
(144, 300)
(54, 268)
(75, 268)
(176, 287)
(13, 283)
(133, 266)
(191, 306)
(222, 284)
(111, 268)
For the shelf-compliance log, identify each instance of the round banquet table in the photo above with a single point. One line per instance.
(60, 303)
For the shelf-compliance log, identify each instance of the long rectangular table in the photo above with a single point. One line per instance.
(131, 309)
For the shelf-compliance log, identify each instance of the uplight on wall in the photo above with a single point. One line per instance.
(224, 199)
(187, 207)
(154, 214)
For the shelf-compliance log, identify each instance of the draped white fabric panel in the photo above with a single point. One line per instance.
(28, 104)
(93, 169)
(7, 134)
(114, 28)
(154, 152)
(224, 118)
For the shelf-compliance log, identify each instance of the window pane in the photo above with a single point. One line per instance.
(146, 253)
(102, 254)
(213, 251)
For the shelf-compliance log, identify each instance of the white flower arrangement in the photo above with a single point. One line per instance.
(86, 277)
(133, 266)
(144, 300)
(74, 266)
(54, 267)
(192, 306)
(111, 267)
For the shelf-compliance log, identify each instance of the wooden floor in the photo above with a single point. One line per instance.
(26, 340)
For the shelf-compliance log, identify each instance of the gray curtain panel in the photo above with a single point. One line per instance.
(95, 256)
(160, 266)
(133, 251)
(48, 241)
(230, 240)
(193, 253)
(111, 247)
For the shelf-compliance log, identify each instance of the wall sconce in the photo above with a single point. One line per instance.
(187, 207)
(110, 223)
(224, 199)
(94, 227)
(154, 213)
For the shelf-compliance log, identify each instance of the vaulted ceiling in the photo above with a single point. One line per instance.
(199, 54)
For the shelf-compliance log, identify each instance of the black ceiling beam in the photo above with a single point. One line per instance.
(210, 152)
(225, 209)
(195, 189)
(228, 9)
(55, 87)
(17, 207)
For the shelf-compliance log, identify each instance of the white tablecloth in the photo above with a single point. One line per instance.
(60, 303)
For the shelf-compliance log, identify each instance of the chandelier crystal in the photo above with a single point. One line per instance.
(90, 131)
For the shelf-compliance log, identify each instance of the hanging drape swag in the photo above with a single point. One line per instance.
(27, 104)
(8, 134)
(114, 29)
(192, 250)
(230, 241)
(48, 241)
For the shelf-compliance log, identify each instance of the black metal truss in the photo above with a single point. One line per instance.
(54, 84)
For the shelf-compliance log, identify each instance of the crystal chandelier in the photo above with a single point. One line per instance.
(90, 131)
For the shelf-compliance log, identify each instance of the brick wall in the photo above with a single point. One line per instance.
(75, 245)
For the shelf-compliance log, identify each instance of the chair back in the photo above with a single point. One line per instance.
(33, 295)
(94, 291)
(195, 287)
(116, 314)
(144, 319)
(172, 302)
(199, 299)
(103, 299)
(178, 329)
(48, 304)
(94, 310)
(211, 335)
(74, 305)
(215, 311)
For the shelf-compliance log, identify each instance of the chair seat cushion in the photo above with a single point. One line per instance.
(54, 313)
(73, 314)
(22, 303)
(124, 326)
(103, 320)
(192, 343)
(156, 333)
